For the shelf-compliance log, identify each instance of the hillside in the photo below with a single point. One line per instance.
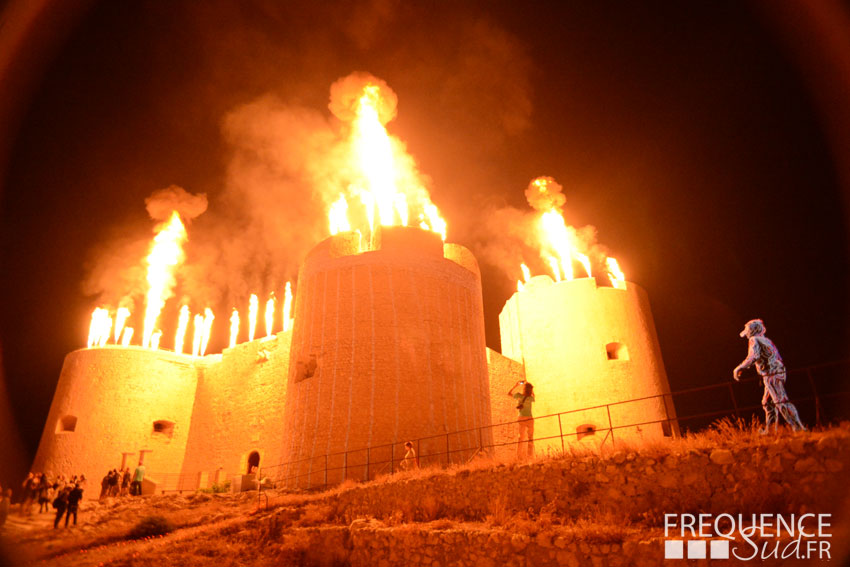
(601, 507)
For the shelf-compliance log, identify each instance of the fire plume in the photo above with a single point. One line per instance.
(166, 252)
(386, 180)
(234, 327)
(559, 244)
(198, 334)
(618, 280)
(155, 339)
(182, 324)
(253, 307)
(126, 336)
(269, 315)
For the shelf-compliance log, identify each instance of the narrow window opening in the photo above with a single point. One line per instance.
(617, 351)
(585, 430)
(163, 428)
(67, 424)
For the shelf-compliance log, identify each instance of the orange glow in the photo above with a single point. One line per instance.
(207, 330)
(526, 273)
(253, 307)
(120, 319)
(126, 336)
(585, 262)
(269, 315)
(519, 285)
(182, 324)
(338, 216)
(618, 280)
(558, 240)
(287, 307)
(166, 253)
(198, 335)
(234, 327)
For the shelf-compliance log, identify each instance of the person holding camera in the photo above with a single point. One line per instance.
(524, 416)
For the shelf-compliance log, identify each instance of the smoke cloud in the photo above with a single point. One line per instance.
(545, 194)
(163, 202)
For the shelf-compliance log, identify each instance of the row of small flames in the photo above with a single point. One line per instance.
(107, 327)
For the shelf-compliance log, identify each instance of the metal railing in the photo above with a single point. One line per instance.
(741, 400)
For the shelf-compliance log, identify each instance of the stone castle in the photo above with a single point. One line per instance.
(387, 345)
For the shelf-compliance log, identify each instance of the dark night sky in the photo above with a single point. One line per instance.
(681, 131)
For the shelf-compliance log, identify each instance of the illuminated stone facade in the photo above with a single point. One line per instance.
(387, 345)
(586, 346)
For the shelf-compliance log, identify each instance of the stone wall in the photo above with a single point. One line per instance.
(593, 510)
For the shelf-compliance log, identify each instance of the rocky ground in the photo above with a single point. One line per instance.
(601, 507)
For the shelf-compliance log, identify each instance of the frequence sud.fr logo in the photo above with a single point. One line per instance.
(747, 537)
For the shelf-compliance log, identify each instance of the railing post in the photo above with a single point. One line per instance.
(326, 470)
(610, 424)
(815, 392)
(368, 461)
(448, 451)
(392, 458)
(345, 466)
(481, 438)
(561, 431)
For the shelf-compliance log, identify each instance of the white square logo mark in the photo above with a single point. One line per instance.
(696, 549)
(719, 549)
(674, 549)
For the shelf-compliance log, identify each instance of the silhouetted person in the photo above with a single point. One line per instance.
(61, 504)
(125, 482)
(138, 477)
(74, 498)
(763, 353)
(410, 460)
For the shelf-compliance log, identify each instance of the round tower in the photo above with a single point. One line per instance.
(115, 405)
(585, 346)
(387, 346)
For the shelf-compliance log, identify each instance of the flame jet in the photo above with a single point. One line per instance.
(234, 327)
(387, 181)
(121, 317)
(269, 315)
(166, 253)
(182, 324)
(287, 307)
(253, 307)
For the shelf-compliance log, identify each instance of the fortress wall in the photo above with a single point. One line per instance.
(586, 346)
(239, 407)
(111, 398)
(388, 345)
(504, 373)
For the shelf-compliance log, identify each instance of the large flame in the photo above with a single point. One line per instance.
(559, 245)
(287, 307)
(269, 315)
(234, 327)
(126, 336)
(182, 324)
(166, 252)
(155, 339)
(253, 307)
(386, 186)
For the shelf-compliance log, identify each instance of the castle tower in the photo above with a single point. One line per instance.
(388, 345)
(585, 346)
(114, 403)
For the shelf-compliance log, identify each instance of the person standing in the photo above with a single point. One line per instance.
(525, 418)
(138, 477)
(763, 353)
(410, 460)
(125, 482)
(74, 498)
(61, 504)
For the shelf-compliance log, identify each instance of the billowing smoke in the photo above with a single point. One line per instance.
(545, 194)
(163, 202)
(346, 92)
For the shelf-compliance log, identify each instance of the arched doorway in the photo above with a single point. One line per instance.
(253, 462)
